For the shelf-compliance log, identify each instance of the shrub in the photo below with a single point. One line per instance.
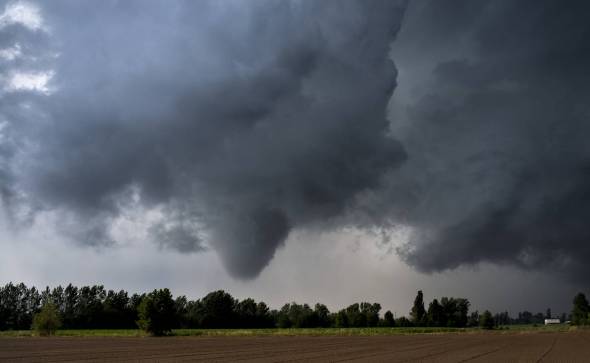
(156, 313)
(47, 321)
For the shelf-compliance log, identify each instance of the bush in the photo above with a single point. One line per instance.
(156, 313)
(47, 321)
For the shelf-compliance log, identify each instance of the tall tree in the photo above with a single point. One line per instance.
(581, 310)
(417, 313)
(435, 315)
(371, 313)
(323, 315)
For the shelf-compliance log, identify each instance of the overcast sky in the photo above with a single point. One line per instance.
(331, 151)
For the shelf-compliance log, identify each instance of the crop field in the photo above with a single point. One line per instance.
(474, 346)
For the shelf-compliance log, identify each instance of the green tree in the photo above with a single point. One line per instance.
(418, 312)
(354, 316)
(435, 315)
(388, 319)
(581, 310)
(341, 319)
(297, 316)
(371, 313)
(47, 321)
(157, 312)
(246, 313)
(455, 311)
(218, 310)
(486, 320)
(322, 315)
(264, 318)
(473, 319)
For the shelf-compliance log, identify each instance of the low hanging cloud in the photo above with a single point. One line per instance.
(237, 121)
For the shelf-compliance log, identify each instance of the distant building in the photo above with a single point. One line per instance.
(552, 321)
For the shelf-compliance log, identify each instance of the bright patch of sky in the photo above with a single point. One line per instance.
(17, 79)
(37, 81)
(24, 13)
(11, 53)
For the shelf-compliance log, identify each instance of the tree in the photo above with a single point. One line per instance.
(355, 317)
(246, 313)
(581, 310)
(264, 318)
(388, 319)
(371, 313)
(89, 308)
(502, 318)
(70, 301)
(525, 317)
(323, 315)
(461, 314)
(417, 313)
(403, 322)
(341, 319)
(217, 309)
(435, 317)
(548, 313)
(181, 311)
(486, 320)
(297, 316)
(47, 321)
(157, 312)
(114, 311)
(473, 319)
(455, 311)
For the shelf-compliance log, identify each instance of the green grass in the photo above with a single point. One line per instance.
(78, 333)
(537, 328)
(292, 332)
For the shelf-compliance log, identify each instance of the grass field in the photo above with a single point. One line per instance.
(293, 332)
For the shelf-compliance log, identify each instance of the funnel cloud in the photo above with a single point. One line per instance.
(236, 121)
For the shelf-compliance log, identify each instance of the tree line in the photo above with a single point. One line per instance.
(94, 307)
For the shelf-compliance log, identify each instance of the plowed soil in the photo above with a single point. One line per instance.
(480, 347)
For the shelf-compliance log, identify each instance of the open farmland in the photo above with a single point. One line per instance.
(571, 346)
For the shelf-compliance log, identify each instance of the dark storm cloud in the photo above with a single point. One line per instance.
(497, 136)
(243, 120)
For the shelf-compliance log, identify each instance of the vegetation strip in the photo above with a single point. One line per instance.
(94, 311)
